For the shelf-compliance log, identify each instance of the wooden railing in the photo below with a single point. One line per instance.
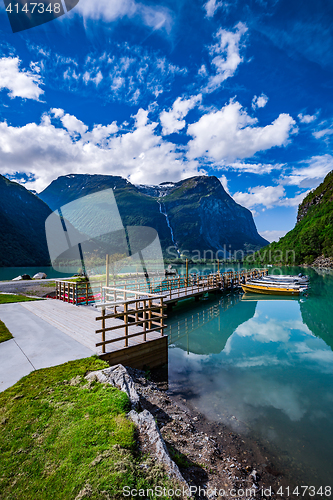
(146, 313)
(92, 291)
(79, 292)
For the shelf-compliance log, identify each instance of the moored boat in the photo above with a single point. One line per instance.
(272, 289)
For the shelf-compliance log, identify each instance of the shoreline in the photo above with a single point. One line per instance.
(210, 454)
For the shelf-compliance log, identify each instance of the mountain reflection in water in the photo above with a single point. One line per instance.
(264, 367)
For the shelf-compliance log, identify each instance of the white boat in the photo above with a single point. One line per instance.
(284, 279)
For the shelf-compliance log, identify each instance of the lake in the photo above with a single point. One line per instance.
(263, 366)
(9, 273)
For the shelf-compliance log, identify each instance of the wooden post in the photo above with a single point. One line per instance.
(149, 313)
(144, 321)
(103, 327)
(186, 272)
(126, 323)
(161, 312)
(107, 270)
(136, 312)
(218, 266)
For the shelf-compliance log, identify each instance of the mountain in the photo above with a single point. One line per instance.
(22, 226)
(194, 214)
(135, 208)
(204, 217)
(312, 236)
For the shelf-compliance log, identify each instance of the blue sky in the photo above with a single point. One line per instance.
(163, 90)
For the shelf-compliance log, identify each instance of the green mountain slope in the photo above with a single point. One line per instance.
(313, 234)
(196, 213)
(22, 226)
(135, 208)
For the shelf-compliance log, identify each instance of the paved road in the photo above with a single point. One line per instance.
(24, 286)
(36, 344)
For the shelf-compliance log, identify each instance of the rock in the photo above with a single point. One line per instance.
(147, 425)
(323, 262)
(39, 276)
(254, 476)
(118, 377)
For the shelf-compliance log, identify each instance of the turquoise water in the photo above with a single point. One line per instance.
(9, 273)
(265, 367)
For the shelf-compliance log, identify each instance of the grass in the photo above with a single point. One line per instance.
(11, 298)
(4, 333)
(62, 437)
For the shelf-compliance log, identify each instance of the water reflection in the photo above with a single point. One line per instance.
(262, 367)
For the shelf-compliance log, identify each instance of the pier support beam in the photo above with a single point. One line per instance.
(150, 354)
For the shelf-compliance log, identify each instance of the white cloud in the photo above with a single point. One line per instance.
(268, 331)
(310, 176)
(267, 196)
(88, 77)
(226, 55)
(211, 7)
(318, 134)
(273, 235)
(307, 118)
(224, 181)
(230, 134)
(125, 73)
(47, 151)
(202, 70)
(155, 17)
(73, 125)
(172, 121)
(253, 168)
(20, 83)
(295, 201)
(57, 112)
(259, 102)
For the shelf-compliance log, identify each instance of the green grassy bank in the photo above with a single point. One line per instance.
(64, 438)
(7, 298)
(4, 333)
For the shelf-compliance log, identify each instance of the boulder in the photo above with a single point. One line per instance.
(147, 426)
(118, 377)
(39, 276)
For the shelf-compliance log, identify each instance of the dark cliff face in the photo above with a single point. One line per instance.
(205, 217)
(135, 207)
(321, 195)
(201, 214)
(22, 226)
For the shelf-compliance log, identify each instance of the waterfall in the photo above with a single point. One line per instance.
(169, 226)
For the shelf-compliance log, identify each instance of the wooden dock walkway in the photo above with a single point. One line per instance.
(132, 312)
(79, 323)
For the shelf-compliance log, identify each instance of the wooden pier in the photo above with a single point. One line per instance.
(132, 311)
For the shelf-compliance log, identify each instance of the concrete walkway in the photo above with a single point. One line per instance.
(36, 344)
